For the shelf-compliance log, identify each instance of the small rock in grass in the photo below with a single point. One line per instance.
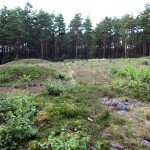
(106, 136)
(122, 112)
(112, 148)
(124, 136)
(145, 63)
(104, 100)
(138, 104)
(125, 127)
(121, 106)
(145, 143)
(114, 103)
(89, 119)
(116, 145)
(135, 134)
(147, 137)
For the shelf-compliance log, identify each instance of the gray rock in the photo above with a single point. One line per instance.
(124, 137)
(135, 134)
(121, 106)
(109, 102)
(122, 112)
(126, 103)
(125, 127)
(114, 103)
(138, 104)
(144, 142)
(116, 145)
(112, 148)
(106, 136)
(145, 63)
(147, 137)
(104, 100)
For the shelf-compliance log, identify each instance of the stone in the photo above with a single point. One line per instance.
(126, 103)
(145, 63)
(112, 148)
(121, 106)
(108, 103)
(89, 119)
(122, 112)
(104, 100)
(135, 134)
(138, 104)
(125, 127)
(116, 145)
(144, 142)
(106, 136)
(82, 64)
(124, 137)
(147, 137)
(114, 103)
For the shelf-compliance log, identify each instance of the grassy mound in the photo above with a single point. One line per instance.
(14, 73)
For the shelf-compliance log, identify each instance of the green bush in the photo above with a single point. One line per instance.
(67, 141)
(5, 77)
(113, 70)
(61, 75)
(118, 84)
(54, 87)
(131, 81)
(25, 78)
(16, 120)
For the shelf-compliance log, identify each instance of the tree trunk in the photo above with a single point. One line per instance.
(76, 50)
(41, 49)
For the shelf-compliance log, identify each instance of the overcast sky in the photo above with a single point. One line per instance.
(95, 9)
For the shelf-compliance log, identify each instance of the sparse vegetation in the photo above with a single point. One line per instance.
(73, 106)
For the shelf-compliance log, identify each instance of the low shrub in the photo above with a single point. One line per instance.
(5, 77)
(131, 81)
(61, 75)
(16, 120)
(66, 141)
(118, 84)
(25, 78)
(54, 87)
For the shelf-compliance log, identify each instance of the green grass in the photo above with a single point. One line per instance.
(68, 105)
(15, 73)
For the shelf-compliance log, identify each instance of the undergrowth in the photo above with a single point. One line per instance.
(131, 81)
(16, 113)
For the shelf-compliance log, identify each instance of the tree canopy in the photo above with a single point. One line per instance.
(26, 33)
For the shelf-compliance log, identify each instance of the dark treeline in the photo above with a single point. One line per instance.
(26, 33)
